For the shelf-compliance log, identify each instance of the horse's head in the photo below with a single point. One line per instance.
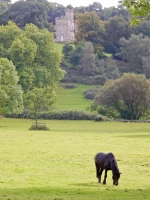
(115, 170)
(115, 178)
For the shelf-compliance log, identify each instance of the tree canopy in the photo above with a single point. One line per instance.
(33, 53)
(115, 28)
(11, 99)
(39, 100)
(37, 62)
(129, 95)
(25, 12)
(87, 60)
(136, 53)
(137, 8)
(90, 29)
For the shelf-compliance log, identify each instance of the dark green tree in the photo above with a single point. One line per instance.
(116, 11)
(135, 52)
(25, 12)
(80, 9)
(128, 95)
(97, 8)
(67, 49)
(57, 10)
(115, 28)
(75, 55)
(143, 27)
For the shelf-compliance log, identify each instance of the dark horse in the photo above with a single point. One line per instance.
(106, 162)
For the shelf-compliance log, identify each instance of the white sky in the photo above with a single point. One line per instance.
(77, 3)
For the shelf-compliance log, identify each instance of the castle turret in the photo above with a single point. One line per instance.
(65, 26)
(69, 14)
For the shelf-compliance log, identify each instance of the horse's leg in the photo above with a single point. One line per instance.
(98, 175)
(97, 170)
(105, 176)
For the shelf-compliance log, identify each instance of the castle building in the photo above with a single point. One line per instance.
(65, 27)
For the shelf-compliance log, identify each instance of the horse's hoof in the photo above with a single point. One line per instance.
(104, 183)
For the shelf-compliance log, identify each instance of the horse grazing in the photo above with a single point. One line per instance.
(106, 162)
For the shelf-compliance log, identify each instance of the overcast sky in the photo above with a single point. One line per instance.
(77, 3)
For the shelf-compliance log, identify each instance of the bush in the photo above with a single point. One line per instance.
(87, 80)
(102, 118)
(39, 126)
(61, 115)
(69, 86)
(68, 115)
(91, 93)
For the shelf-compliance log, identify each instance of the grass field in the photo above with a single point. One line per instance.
(59, 165)
(59, 48)
(72, 99)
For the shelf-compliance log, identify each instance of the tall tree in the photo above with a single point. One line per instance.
(143, 27)
(6, 38)
(113, 11)
(22, 52)
(34, 54)
(129, 95)
(11, 100)
(47, 57)
(90, 29)
(4, 5)
(25, 12)
(115, 28)
(67, 49)
(88, 59)
(56, 10)
(75, 54)
(97, 8)
(39, 100)
(135, 51)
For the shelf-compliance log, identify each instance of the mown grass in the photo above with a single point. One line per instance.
(59, 48)
(59, 165)
(72, 99)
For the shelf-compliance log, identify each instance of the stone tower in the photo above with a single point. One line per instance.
(65, 26)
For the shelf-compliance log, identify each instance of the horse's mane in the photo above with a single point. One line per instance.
(114, 167)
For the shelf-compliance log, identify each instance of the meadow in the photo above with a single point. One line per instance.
(72, 99)
(59, 165)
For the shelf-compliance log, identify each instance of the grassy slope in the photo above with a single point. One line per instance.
(59, 47)
(58, 164)
(72, 99)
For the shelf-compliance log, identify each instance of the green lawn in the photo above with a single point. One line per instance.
(59, 47)
(72, 99)
(59, 165)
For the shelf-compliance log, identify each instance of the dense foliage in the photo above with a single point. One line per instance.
(91, 29)
(36, 60)
(31, 50)
(11, 99)
(129, 95)
(137, 8)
